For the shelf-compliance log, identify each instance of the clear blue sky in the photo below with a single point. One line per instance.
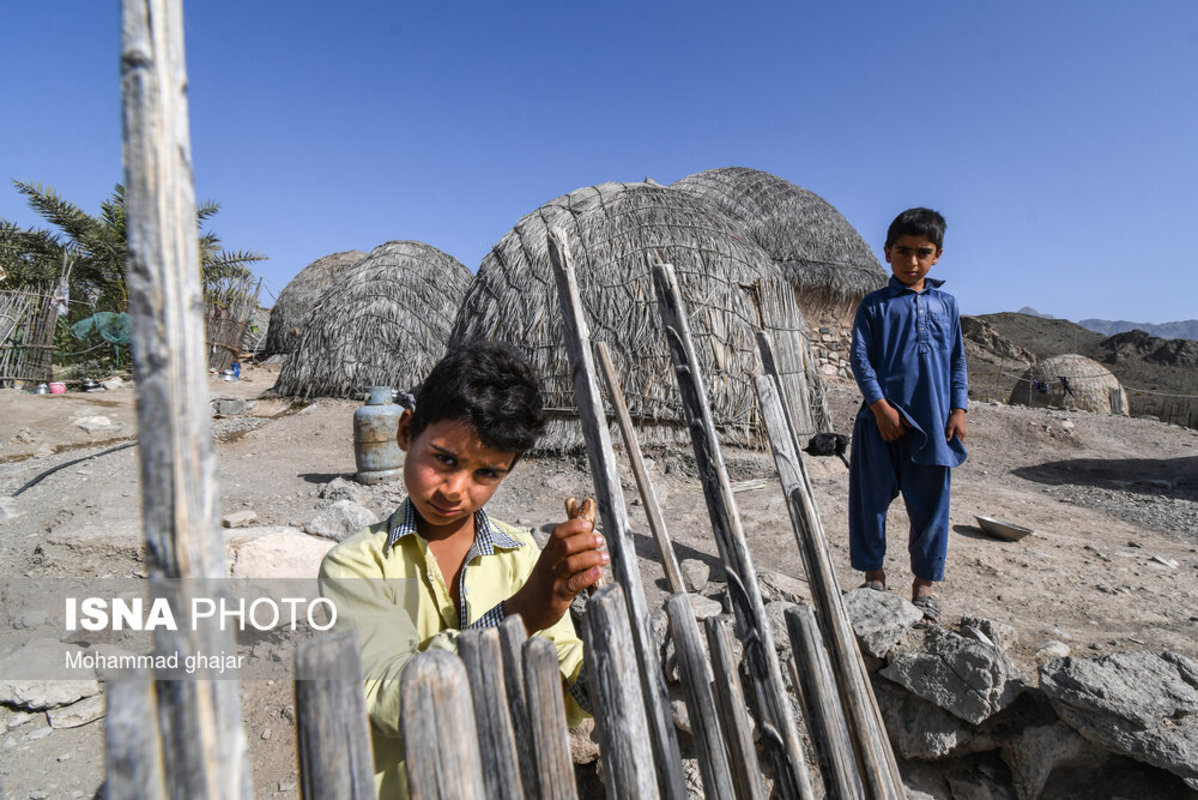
(1060, 139)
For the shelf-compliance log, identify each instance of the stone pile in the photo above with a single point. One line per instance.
(966, 722)
(830, 345)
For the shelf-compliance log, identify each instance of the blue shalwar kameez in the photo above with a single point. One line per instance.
(907, 348)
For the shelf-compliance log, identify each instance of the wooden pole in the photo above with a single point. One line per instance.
(332, 732)
(132, 750)
(615, 518)
(480, 651)
(440, 738)
(620, 715)
(821, 706)
(657, 523)
(878, 767)
(700, 702)
(775, 718)
(547, 715)
(512, 637)
(734, 717)
(203, 743)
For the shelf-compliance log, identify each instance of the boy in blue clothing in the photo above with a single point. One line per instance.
(909, 361)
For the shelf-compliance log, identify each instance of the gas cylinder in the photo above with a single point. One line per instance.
(376, 452)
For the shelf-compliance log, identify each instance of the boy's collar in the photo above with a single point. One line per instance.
(897, 287)
(487, 535)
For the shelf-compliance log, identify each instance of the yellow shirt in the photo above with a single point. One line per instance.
(387, 586)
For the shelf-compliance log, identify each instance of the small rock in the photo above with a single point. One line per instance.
(287, 785)
(1051, 649)
(341, 489)
(112, 383)
(266, 734)
(705, 607)
(996, 633)
(64, 757)
(239, 519)
(96, 423)
(1168, 562)
(341, 520)
(682, 717)
(229, 406)
(8, 509)
(39, 733)
(695, 574)
(880, 619)
(583, 747)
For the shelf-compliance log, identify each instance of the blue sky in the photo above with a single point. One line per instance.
(1060, 139)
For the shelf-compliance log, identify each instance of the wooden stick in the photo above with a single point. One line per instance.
(821, 705)
(547, 717)
(132, 750)
(657, 523)
(205, 751)
(776, 721)
(615, 519)
(512, 637)
(878, 767)
(700, 702)
(734, 717)
(440, 738)
(480, 652)
(332, 731)
(621, 721)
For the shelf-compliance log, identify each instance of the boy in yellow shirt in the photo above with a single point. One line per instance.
(440, 564)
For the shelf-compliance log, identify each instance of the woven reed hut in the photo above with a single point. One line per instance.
(384, 322)
(1070, 381)
(819, 252)
(294, 303)
(615, 232)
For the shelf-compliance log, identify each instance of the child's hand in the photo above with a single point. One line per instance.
(890, 421)
(956, 425)
(570, 562)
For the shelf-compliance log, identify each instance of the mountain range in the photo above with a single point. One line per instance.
(1182, 329)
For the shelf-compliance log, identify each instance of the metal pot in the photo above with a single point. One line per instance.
(228, 375)
(42, 388)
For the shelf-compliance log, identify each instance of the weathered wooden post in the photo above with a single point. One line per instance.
(480, 651)
(878, 768)
(775, 717)
(203, 744)
(615, 519)
(821, 705)
(547, 722)
(734, 715)
(620, 715)
(700, 702)
(657, 522)
(512, 637)
(332, 732)
(440, 738)
(133, 750)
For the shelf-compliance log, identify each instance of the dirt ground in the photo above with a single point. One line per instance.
(1112, 565)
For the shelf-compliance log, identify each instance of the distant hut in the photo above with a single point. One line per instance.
(819, 252)
(293, 304)
(1070, 381)
(384, 322)
(615, 232)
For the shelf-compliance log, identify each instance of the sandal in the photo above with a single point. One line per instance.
(876, 585)
(930, 607)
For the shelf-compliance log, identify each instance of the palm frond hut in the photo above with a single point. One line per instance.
(1070, 381)
(615, 232)
(384, 322)
(830, 266)
(294, 303)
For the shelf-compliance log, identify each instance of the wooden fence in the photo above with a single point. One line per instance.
(171, 738)
(27, 323)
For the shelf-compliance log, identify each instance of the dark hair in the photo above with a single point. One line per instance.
(491, 387)
(918, 222)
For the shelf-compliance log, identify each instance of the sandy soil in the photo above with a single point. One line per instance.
(1113, 564)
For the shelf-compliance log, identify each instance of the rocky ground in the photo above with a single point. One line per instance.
(1112, 566)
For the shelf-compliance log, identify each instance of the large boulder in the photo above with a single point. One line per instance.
(1139, 704)
(967, 678)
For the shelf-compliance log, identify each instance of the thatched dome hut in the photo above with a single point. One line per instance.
(382, 322)
(818, 250)
(1070, 381)
(294, 303)
(615, 232)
